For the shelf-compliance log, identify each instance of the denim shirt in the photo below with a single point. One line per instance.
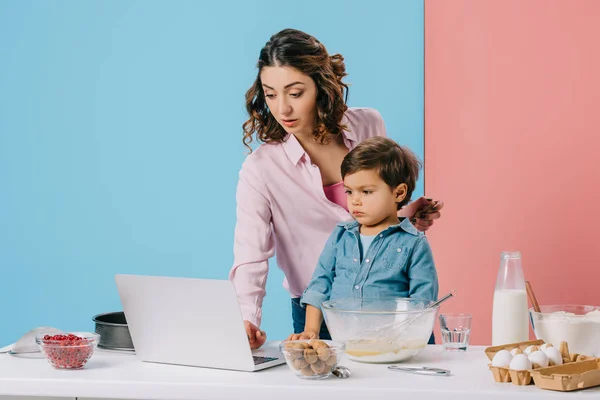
(398, 263)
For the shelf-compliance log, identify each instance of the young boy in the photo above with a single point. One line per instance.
(378, 254)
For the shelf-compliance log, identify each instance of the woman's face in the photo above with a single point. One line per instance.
(291, 97)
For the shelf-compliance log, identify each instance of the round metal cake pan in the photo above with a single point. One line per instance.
(113, 330)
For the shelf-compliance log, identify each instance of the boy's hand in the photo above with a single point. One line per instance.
(304, 335)
(256, 337)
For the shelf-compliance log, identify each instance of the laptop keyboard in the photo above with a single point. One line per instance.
(261, 360)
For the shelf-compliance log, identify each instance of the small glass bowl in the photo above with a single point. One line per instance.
(68, 352)
(312, 359)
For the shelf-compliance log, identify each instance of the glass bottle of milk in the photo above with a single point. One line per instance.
(510, 316)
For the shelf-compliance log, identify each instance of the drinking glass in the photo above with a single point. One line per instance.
(456, 330)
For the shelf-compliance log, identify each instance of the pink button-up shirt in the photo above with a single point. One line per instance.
(282, 210)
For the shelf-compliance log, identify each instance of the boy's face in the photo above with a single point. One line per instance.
(370, 200)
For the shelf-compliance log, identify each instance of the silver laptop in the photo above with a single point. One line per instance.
(188, 321)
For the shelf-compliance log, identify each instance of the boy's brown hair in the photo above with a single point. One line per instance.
(394, 163)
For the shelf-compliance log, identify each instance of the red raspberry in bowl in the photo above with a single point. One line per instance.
(68, 351)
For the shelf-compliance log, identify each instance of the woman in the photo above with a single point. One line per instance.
(290, 194)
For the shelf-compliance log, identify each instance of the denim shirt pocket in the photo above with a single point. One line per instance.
(346, 261)
(346, 257)
(394, 256)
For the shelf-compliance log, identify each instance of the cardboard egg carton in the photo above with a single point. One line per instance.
(505, 375)
(572, 363)
(568, 377)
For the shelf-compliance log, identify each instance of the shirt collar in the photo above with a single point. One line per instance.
(405, 225)
(294, 150)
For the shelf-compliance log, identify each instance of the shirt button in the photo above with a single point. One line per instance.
(356, 287)
(399, 250)
(367, 260)
(381, 235)
(355, 260)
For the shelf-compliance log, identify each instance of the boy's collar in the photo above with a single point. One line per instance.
(403, 224)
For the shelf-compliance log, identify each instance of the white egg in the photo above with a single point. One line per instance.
(520, 362)
(502, 359)
(514, 351)
(553, 355)
(540, 358)
(529, 350)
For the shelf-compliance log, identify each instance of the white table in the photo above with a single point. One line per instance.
(122, 376)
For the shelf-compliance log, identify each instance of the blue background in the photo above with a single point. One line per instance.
(120, 137)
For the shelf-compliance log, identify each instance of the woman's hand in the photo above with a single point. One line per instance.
(422, 212)
(304, 335)
(256, 337)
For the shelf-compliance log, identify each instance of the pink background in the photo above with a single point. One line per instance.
(512, 144)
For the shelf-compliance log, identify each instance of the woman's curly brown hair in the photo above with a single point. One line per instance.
(299, 50)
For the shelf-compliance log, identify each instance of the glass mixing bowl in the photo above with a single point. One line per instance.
(380, 330)
(578, 325)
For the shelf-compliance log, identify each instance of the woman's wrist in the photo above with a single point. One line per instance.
(403, 213)
(312, 333)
